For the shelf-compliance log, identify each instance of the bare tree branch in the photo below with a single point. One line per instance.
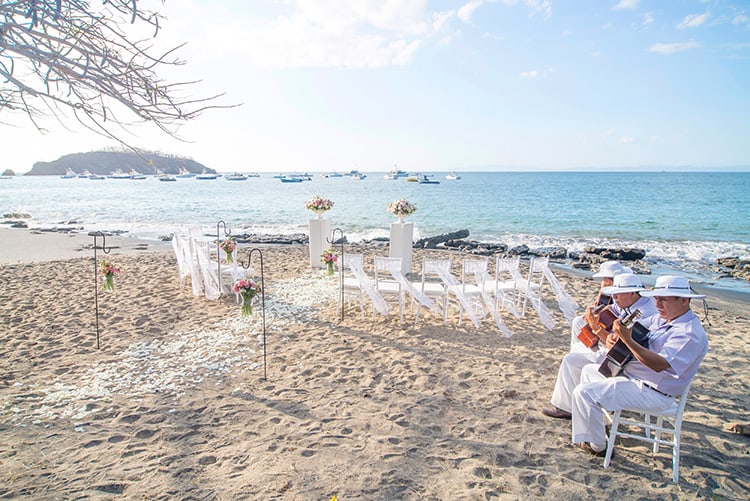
(58, 55)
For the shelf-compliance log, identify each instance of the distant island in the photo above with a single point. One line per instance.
(106, 162)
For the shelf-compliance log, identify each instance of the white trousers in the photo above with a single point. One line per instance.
(569, 375)
(597, 394)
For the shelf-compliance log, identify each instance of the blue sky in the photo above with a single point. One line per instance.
(452, 85)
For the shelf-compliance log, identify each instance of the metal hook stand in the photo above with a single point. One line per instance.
(332, 241)
(262, 301)
(96, 281)
(227, 232)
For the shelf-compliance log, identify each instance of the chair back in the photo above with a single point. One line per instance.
(473, 271)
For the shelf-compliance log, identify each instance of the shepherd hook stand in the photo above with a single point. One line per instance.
(262, 301)
(227, 232)
(332, 241)
(96, 281)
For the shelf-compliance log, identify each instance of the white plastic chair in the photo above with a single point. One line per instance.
(472, 290)
(506, 287)
(386, 284)
(432, 283)
(532, 287)
(181, 249)
(668, 421)
(352, 283)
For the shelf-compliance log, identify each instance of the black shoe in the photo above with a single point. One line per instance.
(586, 447)
(556, 413)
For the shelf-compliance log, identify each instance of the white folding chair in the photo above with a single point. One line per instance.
(432, 283)
(532, 287)
(386, 284)
(469, 292)
(668, 421)
(353, 286)
(181, 249)
(506, 287)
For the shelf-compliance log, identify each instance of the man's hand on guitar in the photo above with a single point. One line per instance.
(611, 340)
(622, 332)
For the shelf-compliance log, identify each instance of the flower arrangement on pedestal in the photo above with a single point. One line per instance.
(329, 258)
(228, 246)
(318, 205)
(401, 208)
(248, 289)
(108, 270)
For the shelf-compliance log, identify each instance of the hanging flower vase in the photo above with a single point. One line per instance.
(329, 267)
(247, 307)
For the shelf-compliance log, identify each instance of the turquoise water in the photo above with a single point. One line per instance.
(684, 220)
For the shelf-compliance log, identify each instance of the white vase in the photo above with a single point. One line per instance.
(401, 218)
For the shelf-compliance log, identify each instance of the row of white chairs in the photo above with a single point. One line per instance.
(209, 273)
(477, 293)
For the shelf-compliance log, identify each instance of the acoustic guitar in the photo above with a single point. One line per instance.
(619, 355)
(606, 318)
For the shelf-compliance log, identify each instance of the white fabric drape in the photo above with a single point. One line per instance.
(356, 265)
(480, 276)
(394, 268)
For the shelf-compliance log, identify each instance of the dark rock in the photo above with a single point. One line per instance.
(432, 242)
(16, 215)
(519, 250)
(550, 252)
(19, 224)
(607, 254)
(8, 172)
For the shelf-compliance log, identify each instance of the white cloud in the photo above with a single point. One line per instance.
(319, 33)
(467, 10)
(648, 18)
(537, 73)
(740, 19)
(626, 4)
(609, 132)
(671, 48)
(693, 20)
(543, 7)
(493, 36)
(626, 140)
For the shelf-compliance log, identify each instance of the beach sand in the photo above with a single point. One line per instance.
(174, 404)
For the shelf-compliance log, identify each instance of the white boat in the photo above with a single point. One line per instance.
(69, 174)
(252, 174)
(452, 176)
(395, 173)
(96, 177)
(134, 174)
(355, 174)
(164, 177)
(237, 176)
(205, 175)
(333, 174)
(184, 173)
(85, 174)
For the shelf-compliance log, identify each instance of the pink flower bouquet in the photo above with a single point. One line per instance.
(228, 246)
(248, 288)
(329, 258)
(318, 204)
(108, 271)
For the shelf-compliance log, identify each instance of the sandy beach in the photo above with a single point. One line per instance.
(174, 404)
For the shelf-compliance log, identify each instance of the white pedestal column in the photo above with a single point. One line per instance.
(320, 231)
(401, 244)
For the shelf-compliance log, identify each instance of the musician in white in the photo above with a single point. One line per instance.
(625, 291)
(677, 345)
(606, 273)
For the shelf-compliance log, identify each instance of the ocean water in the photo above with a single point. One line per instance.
(684, 221)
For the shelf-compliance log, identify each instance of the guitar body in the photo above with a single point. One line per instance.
(620, 354)
(606, 319)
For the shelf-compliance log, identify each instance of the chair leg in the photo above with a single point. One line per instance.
(612, 438)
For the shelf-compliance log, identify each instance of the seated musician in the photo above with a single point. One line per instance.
(625, 292)
(606, 273)
(677, 345)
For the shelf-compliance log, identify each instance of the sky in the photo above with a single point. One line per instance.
(447, 85)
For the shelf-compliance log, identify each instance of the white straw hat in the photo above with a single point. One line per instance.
(669, 285)
(608, 269)
(624, 282)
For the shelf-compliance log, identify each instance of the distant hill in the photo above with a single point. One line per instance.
(105, 162)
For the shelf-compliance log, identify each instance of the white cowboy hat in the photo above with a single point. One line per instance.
(624, 282)
(669, 285)
(608, 269)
